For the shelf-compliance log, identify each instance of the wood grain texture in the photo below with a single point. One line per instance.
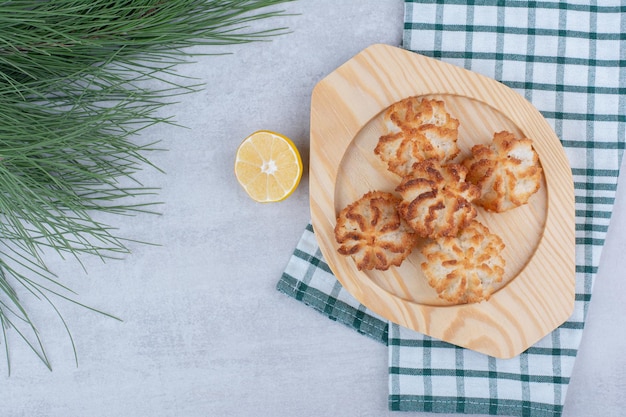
(537, 293)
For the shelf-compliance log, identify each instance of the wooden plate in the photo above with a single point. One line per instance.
(537, 293)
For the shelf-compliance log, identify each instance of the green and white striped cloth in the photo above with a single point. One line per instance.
(569, 60)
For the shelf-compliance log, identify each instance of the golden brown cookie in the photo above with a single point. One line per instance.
(436, 200)
(419, 129)
(371, 231)
(507, 172)
(465, 268)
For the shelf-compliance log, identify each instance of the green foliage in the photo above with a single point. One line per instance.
(76, 84)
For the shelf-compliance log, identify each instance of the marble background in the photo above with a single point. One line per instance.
(204, 332)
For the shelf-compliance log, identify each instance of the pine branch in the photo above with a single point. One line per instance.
(74, 77)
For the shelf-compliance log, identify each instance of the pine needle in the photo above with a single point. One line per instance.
(74, 92)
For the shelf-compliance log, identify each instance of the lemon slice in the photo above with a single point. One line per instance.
(268, 166)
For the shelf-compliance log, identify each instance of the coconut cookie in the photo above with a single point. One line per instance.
(465, 268)
(372, 232)
(436, 200)
(507, 172)
(419, 129)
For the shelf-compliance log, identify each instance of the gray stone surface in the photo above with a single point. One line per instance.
(204, 332)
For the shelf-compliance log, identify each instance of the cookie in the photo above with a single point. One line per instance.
(371, 231)
(507, 172)
(465, 268)
(436, 200)
(419, 129)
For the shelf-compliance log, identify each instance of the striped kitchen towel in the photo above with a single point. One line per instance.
(569, 60)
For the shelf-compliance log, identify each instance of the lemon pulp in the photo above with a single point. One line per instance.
(268, 166)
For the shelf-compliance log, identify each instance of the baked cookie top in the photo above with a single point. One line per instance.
(436, 200)
(507, 172)
(418, 129)
(372, 232)
(465, 268)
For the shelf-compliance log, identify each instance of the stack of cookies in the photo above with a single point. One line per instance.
(436, 201)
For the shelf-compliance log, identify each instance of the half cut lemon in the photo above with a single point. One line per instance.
(268, 166)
